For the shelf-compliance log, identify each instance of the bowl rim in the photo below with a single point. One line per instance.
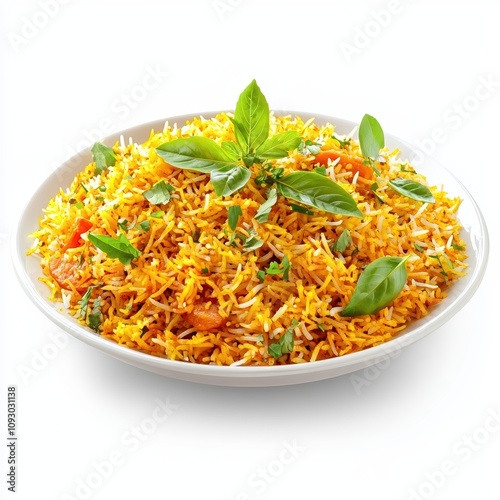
(180, 369)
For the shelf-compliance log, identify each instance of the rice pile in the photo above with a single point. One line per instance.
(187, 261)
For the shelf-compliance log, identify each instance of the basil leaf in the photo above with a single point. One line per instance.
(229, 179)
(286, 268)
(84, 302)
(159, 194)
(265, 209)
(285, 343)
(157, 215)
(343, 242)
(275, 350)
(378, 285)
(342, 142)
(252, 242)
(233, 214)
(273, 268)
(443, 270)
(300, 209)
(279, 145)
(309, 147)
(317, 191)
(371, 137)
(412, 189)
(116, 248)
(103, 157)
(232, 149)
(123, 225)
(251, 118)
(374, 188)
(95, 317)
(195, 153)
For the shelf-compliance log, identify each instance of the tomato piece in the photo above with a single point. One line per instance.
(64, 272)
(81, 226)
(349, 162)
(203, 318)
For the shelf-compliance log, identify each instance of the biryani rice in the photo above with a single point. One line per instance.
(186, 259)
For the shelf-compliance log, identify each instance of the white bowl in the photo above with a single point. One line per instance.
(474, 233)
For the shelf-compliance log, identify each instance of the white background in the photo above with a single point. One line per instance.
(421, 427)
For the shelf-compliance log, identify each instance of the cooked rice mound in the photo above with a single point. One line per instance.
(187, 263)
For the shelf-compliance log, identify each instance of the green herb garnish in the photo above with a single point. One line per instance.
(374, 188)
(371, 137)
(227, 163)
(378, 285)
(309, 147)
(103, 157)
(300, 209)
(84, 302)
(123, 224)
(321, 171)
(95, 317)
(265, 209)
(440, 263)
(116, 248)
(233, 214)
(342, 142)
(317, 191)
(158, 214)
(252, 242)
(230, 179)
(342, 242)
(371, 141)
(251, 119)
(412, 189)
(159, 194)
(285, 344)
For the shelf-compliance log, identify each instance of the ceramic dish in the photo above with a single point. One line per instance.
(474, 233)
